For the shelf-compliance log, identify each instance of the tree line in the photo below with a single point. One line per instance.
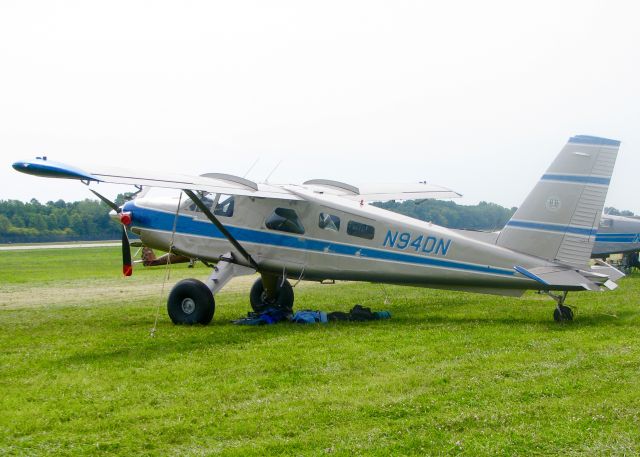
(30, 222)
(88, 220)
(483, 216)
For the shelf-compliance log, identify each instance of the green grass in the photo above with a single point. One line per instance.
(449, 374)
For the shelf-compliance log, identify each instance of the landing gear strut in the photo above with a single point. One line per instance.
(562, 312)
(191, 301)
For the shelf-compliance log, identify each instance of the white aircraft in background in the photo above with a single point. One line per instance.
(324, 230)
(618, 235)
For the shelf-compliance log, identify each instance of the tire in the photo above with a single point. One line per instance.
(259, 301)
(567, 314)
(191, 302)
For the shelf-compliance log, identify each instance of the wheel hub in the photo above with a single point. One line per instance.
(266, 300)
(188, 305)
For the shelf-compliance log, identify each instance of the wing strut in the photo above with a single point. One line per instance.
(221, 227)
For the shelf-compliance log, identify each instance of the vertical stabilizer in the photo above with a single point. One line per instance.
(559, 219)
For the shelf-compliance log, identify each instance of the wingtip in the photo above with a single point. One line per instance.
(20, 166)
(48, 169)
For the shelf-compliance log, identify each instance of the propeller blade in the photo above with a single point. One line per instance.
(127, 268)
(108, 202)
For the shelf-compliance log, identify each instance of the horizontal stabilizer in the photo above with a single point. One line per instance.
(561, 278)
(607, 270)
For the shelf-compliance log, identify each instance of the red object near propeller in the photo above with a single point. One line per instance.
(125, 218)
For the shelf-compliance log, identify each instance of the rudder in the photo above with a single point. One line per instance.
(559, 218)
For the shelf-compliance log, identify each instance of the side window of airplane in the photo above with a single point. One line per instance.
(225, 206)
(285, 220)
(360, 230)
(329, 222)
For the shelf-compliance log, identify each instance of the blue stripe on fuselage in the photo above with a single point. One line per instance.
(618, 237)
(159, 220)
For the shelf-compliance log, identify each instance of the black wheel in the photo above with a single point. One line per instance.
(191, 302)
(563, 314)
(260, 301)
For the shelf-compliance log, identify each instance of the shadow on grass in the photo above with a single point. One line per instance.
(228, 336)
(622, 318)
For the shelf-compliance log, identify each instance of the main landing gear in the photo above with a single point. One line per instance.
(271, 291)
(562, 313)
(191, 301)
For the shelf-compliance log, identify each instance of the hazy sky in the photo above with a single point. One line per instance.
(476, 96)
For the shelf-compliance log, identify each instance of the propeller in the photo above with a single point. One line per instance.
(125, 219)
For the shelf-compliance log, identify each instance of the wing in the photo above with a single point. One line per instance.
(379, 192)
(229, 184)
(211, 182)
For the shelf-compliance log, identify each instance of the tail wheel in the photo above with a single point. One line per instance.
(191, 302)
(260, 300)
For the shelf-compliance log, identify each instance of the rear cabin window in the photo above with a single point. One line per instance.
(360, 230)
(329, 222)
(285, 220)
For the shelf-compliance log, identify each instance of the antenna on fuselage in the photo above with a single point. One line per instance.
(273, 171)
(251, 167)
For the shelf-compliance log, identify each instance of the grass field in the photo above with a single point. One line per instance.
(449, 374)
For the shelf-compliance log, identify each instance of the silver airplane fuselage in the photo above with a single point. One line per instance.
(366, 244)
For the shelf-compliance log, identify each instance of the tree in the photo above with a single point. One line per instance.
(616, 212)
(5, 224)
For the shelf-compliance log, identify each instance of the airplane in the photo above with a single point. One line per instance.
(618, 235)
(615, 235)
(324, 230)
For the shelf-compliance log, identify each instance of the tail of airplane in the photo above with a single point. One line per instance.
(559, 219)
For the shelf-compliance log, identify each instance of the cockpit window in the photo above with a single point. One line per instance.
(285, 220)
(329, 222)
(225, 205)
(221, 205)
(606, 222)
(194, 208)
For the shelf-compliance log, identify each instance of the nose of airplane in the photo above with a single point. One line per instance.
(124, 217)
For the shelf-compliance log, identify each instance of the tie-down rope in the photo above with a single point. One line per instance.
(167, 269)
